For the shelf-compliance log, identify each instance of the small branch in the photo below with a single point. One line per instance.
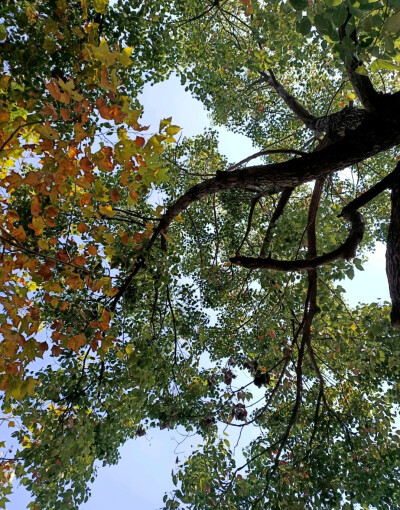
(201, 15)
(173, 325)
(8, 140)
(299, 110)
(386, 183)
(254, 202)
(216, 231)
(265, 153)
(283, 200)
(347, 250)
(361, 83)
(13, 242)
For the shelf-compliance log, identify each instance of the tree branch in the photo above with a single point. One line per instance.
(283, 200)
(362, 85)
(265, 153)
(386, 183)
(298, 109)
(346, 250)
(254, 202)
(373, 136)
(393, 254)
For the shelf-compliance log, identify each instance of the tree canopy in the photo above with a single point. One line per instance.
(145, 316)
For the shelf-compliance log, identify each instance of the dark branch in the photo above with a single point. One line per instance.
(362, 85)
(393, 254)
(374, 135)
(347, 250)
(254, 202)
(283, 200)
(298, 109)
(265, 153)
(386, 183)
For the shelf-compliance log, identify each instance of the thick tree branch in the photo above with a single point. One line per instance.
(393, 254)
(373, 136)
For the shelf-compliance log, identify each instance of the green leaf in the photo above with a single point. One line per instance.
(304, 26)
(392, 24)
(299, 5)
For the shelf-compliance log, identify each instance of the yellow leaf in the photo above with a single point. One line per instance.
(164, 123)
(124, 57)
(102, 53)
(100, 6)
(38, 225)
(106, 210)
(172, 130)
(69, 88)
(43, 244)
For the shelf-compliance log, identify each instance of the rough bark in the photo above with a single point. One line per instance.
(393, 255)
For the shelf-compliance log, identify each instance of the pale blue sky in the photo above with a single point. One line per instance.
(139, 481)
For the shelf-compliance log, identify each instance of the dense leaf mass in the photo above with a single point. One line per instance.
(223, 308)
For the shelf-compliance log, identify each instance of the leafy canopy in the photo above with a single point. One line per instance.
(223, 308)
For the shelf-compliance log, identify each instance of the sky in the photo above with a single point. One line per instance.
(143, 474)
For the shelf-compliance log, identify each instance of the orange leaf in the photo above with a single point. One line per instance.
(74, 281)
(86, 164)
(53, 89)
(105, 82)
(101, 104)
(19, 234)
(115, 196)
(35, 206)
(134, 195)
(140, 141)
(94, 344)
(106, 315)
(50, 222)
(51, 211)
(80, 133)
(85, 199)
(64, 305)
(76, 342)
(92, 250)
(104, 326)
(65, 114)
(56, 350)
(79, 260)
(49, 110)
(82, 227)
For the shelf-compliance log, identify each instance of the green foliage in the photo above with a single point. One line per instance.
(150, 322)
